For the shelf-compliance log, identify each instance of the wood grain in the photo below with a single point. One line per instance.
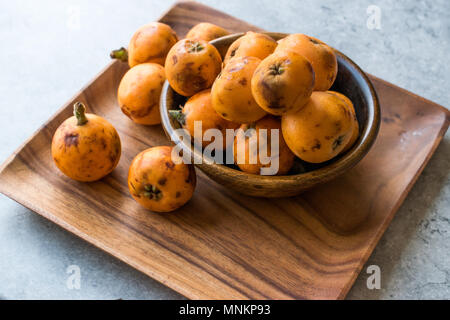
(224, 245)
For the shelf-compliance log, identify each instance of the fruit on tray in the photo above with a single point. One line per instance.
(320, 55)
(252, 44)
(283, 82)
(159, 184)
(249, 144)
(320, 130)
(199, 108)
(192, 66)
(86, 147)
(232, 94)
(140, 91)
(150, 43)
(206, 31)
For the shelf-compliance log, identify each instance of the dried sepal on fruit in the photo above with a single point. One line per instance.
(159, 184)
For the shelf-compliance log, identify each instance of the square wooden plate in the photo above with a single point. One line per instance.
(223, 245)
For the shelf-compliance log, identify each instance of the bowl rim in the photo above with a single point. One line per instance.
(333, 169)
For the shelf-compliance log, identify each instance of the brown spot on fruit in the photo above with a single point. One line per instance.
(233, 52)
(126, 111)
(174, 60)
(330, 77)
(71, 139)
(178, 194)
(191, 179)
(317, 145)
(142, 112)
(314, 41)
(103, 143)
(338, 142)
(136, 38)
(243, 82)
(170, 164)
(112, 158)
(162, 181)
(117, 147)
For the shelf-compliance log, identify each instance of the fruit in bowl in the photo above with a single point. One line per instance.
(321, 129)
(322, 57)
(280, 158)
(198, 109)
(283, 83)
(251, 44)
(206, 31)
(232, 96)
(328, 119)
(192, 66)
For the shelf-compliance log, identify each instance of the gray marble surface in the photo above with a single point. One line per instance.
(50, 49)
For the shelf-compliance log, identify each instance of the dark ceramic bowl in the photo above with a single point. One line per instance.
(351, 81)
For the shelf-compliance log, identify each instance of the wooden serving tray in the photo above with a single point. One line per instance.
(223, 245)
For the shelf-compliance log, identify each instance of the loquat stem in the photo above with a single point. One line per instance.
(79, 111)
(120, 54)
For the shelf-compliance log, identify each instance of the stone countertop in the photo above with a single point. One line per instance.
(52, 49)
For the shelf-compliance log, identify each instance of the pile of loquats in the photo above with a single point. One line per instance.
(260, 84)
